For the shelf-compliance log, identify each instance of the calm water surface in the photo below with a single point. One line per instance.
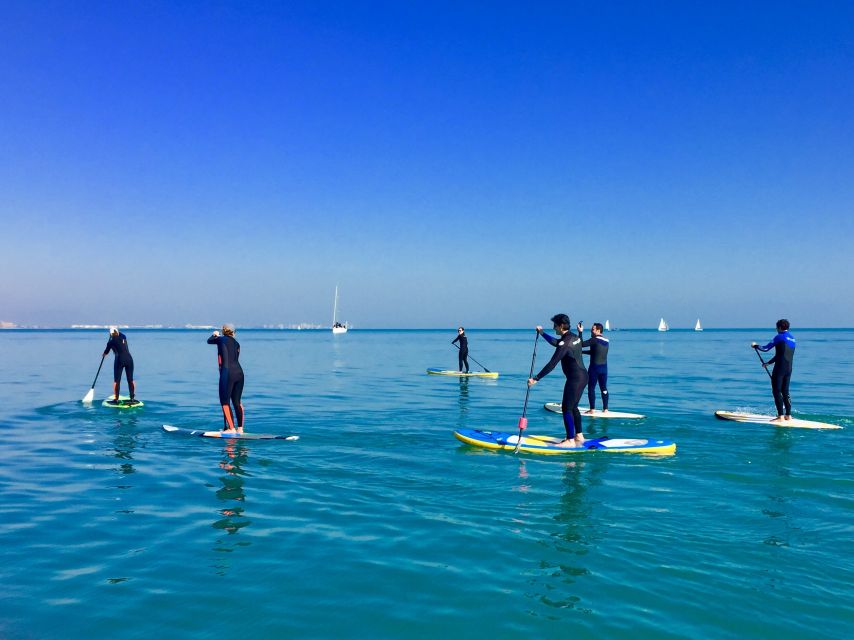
(377, 523)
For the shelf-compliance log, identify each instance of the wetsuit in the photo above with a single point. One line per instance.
(597, 371)
(463, 355)
(118, 344)
(568, 353)
(230, 379)
(784, 353)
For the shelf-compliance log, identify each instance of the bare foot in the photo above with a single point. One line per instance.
(788, 417)
(566, 444)
(777, 419)
(588, 412)
(579, 440)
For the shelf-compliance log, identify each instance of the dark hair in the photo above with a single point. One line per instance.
(463, 329)
(561, 320)
(782, 325)
(598, 325)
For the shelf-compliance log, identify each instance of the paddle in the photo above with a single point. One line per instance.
(90, 395)
(523, 421)
(759, 355)
(475, 361)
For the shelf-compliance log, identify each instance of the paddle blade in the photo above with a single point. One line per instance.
(90, 395)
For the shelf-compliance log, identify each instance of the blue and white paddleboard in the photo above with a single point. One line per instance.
(548, 445)
(226, 435)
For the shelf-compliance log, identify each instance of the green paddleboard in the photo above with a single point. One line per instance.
(123, 403)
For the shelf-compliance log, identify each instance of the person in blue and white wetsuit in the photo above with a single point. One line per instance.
(463, 355)
(568, 352)
(597, 370)
(784, 353)
(118, 344)
(230, 378)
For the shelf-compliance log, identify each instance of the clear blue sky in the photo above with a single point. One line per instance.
(486, 164)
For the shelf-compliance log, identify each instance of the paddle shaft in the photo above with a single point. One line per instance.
(523, 421)
(475, 361)
(99, 370)
(764, 364)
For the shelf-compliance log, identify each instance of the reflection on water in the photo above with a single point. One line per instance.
(124, 443)
(563, 565)
(234, 457)
(463, 402)
(593, 428)
(780, 498)
(574, 511)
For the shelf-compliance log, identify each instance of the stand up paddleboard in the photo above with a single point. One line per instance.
(757, 418)
(226, 435)
(459, 374)
(123, 403)
(556, 408)
(547, 444)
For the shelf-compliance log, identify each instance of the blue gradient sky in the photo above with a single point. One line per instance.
(489, 164)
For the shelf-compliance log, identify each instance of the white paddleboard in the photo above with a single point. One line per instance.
(433, 371)
(597, 413)
(758, 418)
(227, 435)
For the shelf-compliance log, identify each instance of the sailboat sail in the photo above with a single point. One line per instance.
(662, 325)
(607, 326)
(698, 326)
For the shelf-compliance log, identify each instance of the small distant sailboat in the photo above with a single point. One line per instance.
(662, 325)
(607, 326)
(698, 326)
(337, 327)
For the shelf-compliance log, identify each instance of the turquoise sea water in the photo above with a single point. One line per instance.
(378, 523)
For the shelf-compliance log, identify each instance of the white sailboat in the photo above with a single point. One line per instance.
(662, 325)
(698, 326)
(607, 326)
(337, 327)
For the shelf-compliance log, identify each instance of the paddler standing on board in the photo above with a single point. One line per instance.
(568, 353)
(784, 353)
(230, 378)
(118, 344)
(597, 371)
(463, 355)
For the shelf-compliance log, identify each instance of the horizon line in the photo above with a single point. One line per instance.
(314, 327)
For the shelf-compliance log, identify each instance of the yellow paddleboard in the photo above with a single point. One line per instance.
(547, 445)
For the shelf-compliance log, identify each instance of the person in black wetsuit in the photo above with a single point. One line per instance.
(118, 344)
(463, 355)
(784, 354)
(597, 370)
(568, 353)
(230, 378)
